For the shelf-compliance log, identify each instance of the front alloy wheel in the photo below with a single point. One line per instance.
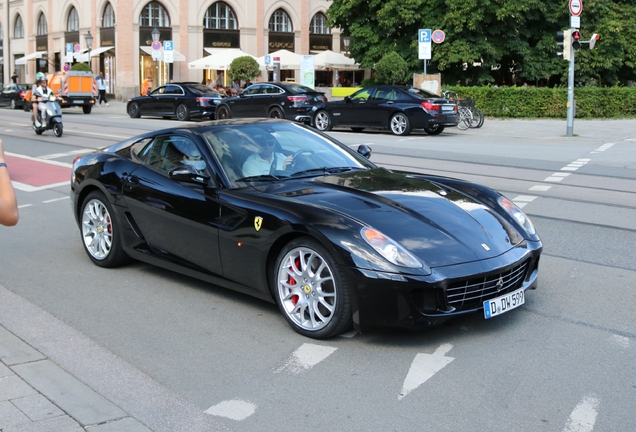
(322, 121)
(310, 292)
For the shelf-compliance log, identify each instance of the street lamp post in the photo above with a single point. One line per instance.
(155, 38)
(89, 45)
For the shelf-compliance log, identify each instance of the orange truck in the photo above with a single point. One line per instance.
(72, 88)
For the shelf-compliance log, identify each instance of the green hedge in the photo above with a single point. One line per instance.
(541, 102)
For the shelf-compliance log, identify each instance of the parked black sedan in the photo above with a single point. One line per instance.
(13, 95)
(397, 108)
(282, 212)
(184, 101)
(276, 100)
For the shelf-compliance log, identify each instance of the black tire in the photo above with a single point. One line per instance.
(357, 129)
(399, 124)
(133, 110)
(58, 129)
(182, 113)
(478, 118)
(434, 130)
(100, 232)
(321, 308)
(276, 113)
(223, 113)
(87, 109)
(39, 131)
(322, 121)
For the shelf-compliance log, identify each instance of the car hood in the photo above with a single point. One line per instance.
(440, 225)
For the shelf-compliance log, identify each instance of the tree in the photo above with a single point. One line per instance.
(391, 69)
(492, 41)
(81, 67)
(243, 68)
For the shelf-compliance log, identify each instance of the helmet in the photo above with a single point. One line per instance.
(40, 76)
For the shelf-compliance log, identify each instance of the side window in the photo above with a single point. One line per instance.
(173, 90)
(380, 95)
(252, 90)
(166, 153)
(362, 95)
(392, 95)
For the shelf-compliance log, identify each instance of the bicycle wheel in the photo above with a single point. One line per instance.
(465, 118)
(478, 118)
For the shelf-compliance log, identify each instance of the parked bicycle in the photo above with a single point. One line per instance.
(469, 116)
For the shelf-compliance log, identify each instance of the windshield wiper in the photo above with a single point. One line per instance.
(324, 171)
(263, 177)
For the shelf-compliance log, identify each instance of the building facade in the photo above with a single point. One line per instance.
(51, 35)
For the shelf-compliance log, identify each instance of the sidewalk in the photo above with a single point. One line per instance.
(56, 379)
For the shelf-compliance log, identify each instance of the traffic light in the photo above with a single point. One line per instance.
(593, 40)
(564, 39)
(576, 40)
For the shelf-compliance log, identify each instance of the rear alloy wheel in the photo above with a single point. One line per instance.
(322, 121)
(222, 113)
(434, 130)
(400, 124)
(310, 292)
(133, 110)
(100, 232)
(275, 113)
(58, 129)
(182, 113)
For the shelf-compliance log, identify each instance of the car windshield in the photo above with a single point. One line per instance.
(202, 90)
(277, 151)
(422, 94)
(297, 88)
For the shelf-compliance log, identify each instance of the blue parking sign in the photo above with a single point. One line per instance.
(424, 35)
(69, 48)
(168, 46)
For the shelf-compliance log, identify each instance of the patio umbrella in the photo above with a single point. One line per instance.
(219, 60)
(288, 59)
(333, 60)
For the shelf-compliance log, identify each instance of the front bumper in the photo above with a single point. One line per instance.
(400, 300)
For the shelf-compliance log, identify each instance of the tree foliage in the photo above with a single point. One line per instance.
(493, 41)
(81, 67)
(243, 68)
(391, 69)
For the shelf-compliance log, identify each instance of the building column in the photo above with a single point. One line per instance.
(127, 47)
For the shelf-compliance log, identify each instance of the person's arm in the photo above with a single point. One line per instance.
(8, 202)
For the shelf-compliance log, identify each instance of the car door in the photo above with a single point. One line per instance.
(170, 98)
(353, 112)
(383, 104)
(242, 105)
(7, 94)
(177, 219)
(151, 104)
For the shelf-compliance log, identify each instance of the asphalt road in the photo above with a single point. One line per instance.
(180, 354)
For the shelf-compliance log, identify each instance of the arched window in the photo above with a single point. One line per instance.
(220, 16)
(154, 15)
(280, 22)
(319, 24)
(18, 28)
(108, 19)
(42, 26)
(72, 23)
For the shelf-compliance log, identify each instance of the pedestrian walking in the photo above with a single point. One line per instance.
(101, 88)
(8, 203)
(15, 78)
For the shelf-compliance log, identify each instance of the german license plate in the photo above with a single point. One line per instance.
(503, 304)
(78, 101)
(448, 107)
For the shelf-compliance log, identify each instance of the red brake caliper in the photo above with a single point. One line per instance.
(292, 281)
(110, 227)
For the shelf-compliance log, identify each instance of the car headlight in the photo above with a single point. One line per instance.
(391, 250)
(516, 213)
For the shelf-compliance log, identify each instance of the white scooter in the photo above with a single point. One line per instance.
(53, 118)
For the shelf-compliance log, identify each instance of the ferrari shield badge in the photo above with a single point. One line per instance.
(258, 222)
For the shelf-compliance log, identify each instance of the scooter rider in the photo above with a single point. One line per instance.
(41, 94)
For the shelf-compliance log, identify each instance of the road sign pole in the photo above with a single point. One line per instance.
(570, 119)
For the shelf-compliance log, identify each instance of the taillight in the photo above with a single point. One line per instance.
(21, 94)
(430, 106)
(202, 100)
(297, 99)
(75, 159)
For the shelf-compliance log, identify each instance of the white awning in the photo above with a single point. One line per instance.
(220, 60)
(83, 58)
(177, 56)
(35, 55)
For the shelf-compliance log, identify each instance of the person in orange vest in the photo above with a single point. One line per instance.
(146, 86)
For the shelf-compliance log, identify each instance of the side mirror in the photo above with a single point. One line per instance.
(347, 98)
(365, 151)
(188, 174)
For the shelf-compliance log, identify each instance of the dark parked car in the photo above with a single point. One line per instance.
(13, 95)
(397, 108)
(181, 100)
(317, 228)
(276, 100)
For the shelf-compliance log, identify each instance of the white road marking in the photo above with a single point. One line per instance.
(56, 199)
(540, 188)
(524, 198)
(25, 205)
(28, 188)
(570, 168)
(71, 153)
(583, 417)
(306, 357)
(424, 366)
(521, 205)
(234, 409)
(553, 179)
(560, 174)
(50, 162)
(621, 340)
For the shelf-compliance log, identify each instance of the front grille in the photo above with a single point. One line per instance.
(470, 294)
